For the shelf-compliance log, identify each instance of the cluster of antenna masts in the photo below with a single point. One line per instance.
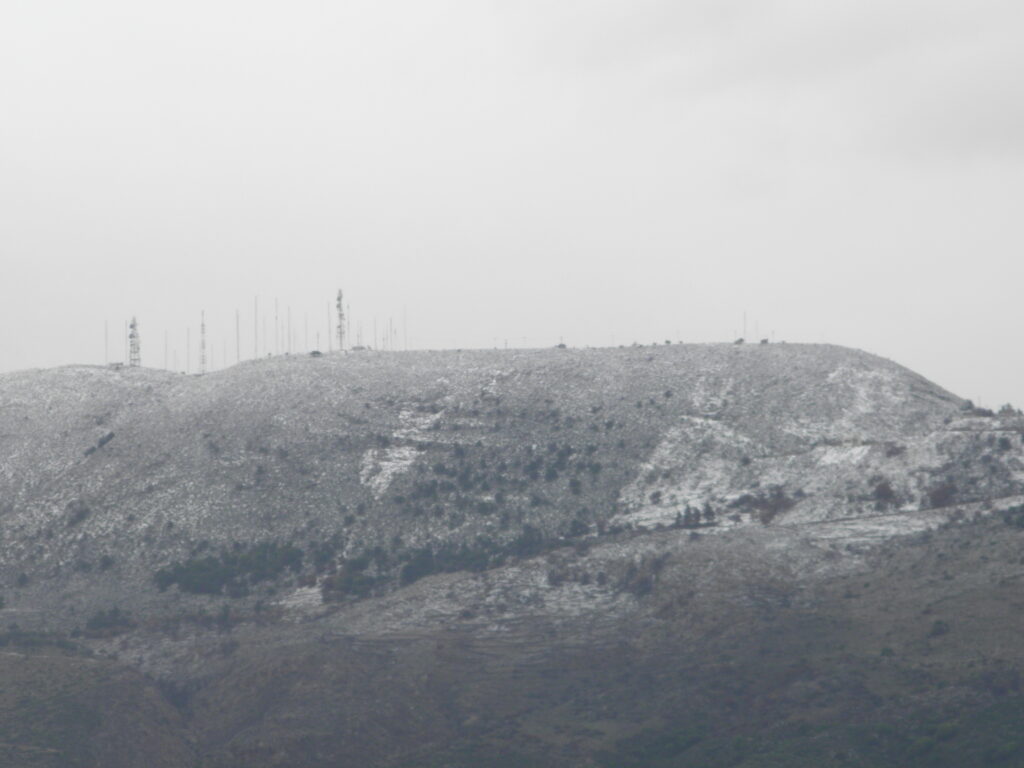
(284, 340)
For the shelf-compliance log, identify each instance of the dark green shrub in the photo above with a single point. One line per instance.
(234, 570)
(528, 544)
(1014, 516)
(348, 581)
(765, 505)
(77, 512)
(883, 494)
(578, 528)
(420, 564)
(108, 623)
(942, 495)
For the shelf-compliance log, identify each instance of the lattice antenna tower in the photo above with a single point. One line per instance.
(202, 342)
(339, 304)
(134, 348)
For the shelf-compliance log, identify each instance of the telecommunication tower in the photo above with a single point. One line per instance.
(202, 342)
(134, 351)
(341, 321)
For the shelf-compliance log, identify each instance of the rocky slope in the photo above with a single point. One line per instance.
(683, 554)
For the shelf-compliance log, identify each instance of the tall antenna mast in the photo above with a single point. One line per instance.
(202, 342)
(256, 328)
(238, 339)
(341, 322)
(134, 353)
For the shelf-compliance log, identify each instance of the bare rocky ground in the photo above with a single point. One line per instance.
(684, 555)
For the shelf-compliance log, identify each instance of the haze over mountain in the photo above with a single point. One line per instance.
(671, 555)
(600, 172)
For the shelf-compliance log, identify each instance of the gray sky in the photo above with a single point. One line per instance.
(600, 171)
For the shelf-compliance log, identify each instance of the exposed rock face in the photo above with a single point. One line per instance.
(435, 558)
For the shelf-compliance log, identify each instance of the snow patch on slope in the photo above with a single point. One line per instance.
(380, 466)
(692, 466)
(840, 455)
(875, 391)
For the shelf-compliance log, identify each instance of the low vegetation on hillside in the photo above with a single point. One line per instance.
(669, 555)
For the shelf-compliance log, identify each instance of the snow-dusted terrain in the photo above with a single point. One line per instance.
(499, 497)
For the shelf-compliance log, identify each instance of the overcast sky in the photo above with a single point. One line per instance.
(525, 171)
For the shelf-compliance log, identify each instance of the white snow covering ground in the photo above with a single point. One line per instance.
(380, 466)
(832, 456)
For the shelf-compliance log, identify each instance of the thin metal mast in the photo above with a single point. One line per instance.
(341, 322)
(202, 341)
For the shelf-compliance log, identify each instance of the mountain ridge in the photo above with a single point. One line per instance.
(253, 525)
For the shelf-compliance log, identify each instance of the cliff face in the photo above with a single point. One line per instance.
(400, 558)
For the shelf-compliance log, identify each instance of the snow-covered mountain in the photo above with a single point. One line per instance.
(471, 526)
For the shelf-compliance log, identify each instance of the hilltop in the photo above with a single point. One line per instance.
(513, 540)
